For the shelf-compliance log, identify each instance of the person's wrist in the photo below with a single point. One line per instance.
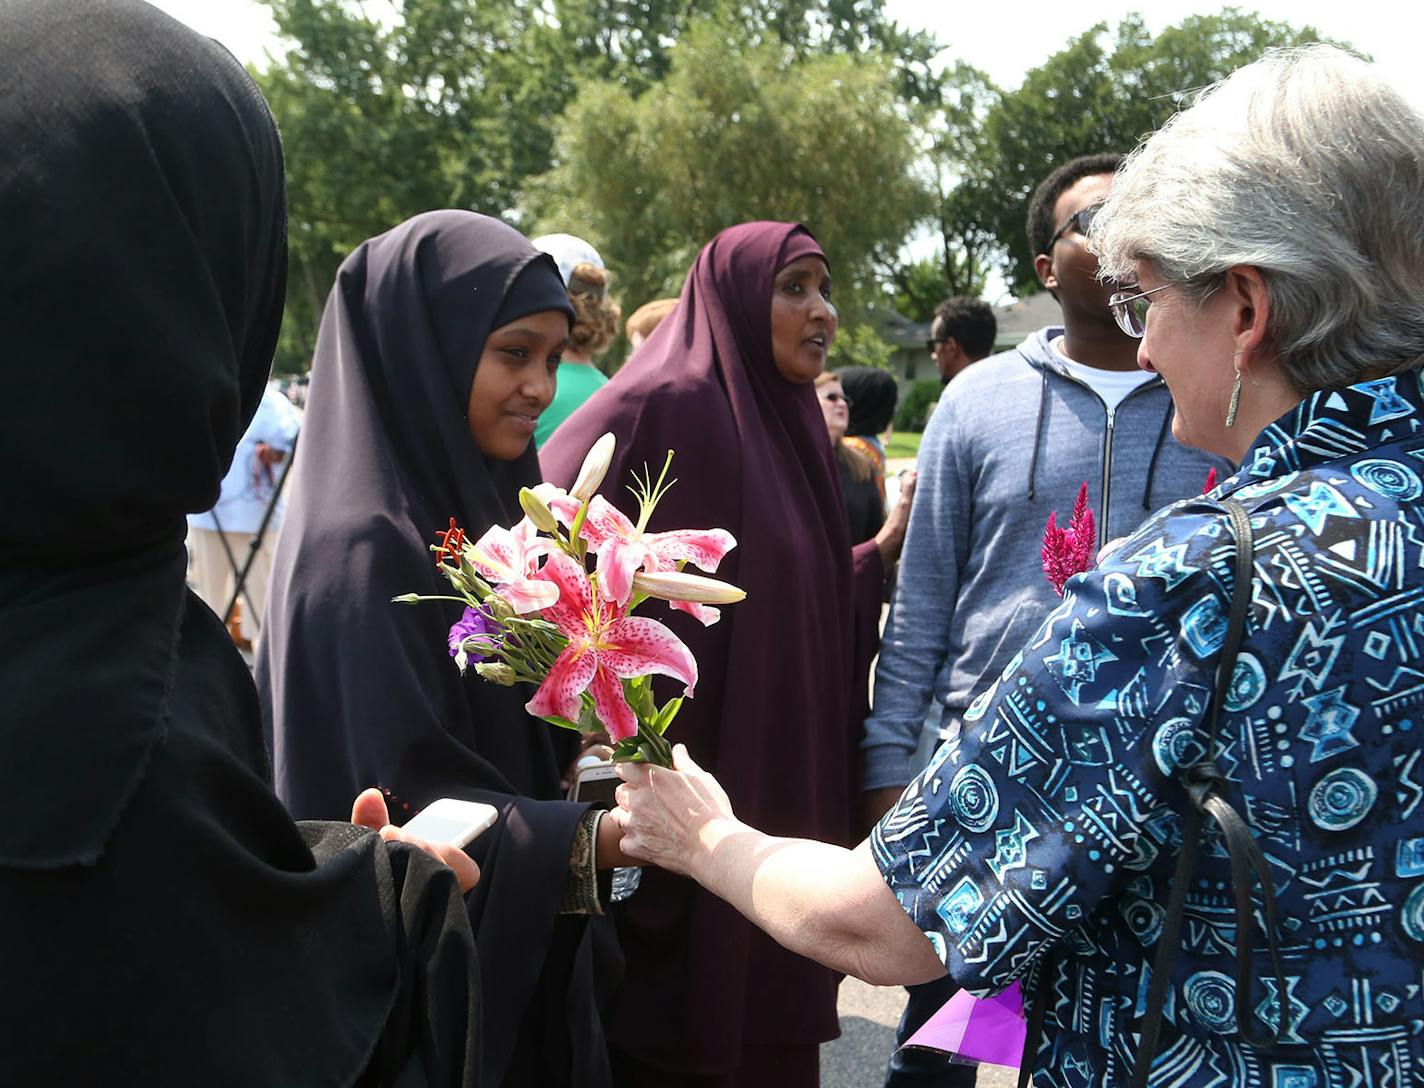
(711, 835)
(608, 844)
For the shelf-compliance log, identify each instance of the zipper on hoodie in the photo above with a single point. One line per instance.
(1111, 420)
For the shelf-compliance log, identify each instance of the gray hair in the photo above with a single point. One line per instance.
(1308, 165)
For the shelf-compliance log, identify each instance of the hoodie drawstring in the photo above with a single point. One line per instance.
(1156, 452)
(1038, 432)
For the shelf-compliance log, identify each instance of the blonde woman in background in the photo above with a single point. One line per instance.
(595, 325)
(645, 319)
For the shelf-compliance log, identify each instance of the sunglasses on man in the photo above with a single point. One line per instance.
(1078, 222)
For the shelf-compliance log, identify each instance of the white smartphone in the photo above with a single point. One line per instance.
(595, 780)
(451, 821)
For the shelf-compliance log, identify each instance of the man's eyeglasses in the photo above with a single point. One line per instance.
(1079, 221)
(1130, 310)
(930, 345)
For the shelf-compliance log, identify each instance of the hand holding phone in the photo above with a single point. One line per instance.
(452, 822)
(369, 810)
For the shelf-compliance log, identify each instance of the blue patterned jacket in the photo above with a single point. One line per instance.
(1053, 822)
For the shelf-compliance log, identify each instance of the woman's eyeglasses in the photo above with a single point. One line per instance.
(837, 398)
(1130, 311)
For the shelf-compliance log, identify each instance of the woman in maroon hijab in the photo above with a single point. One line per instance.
(726, 382)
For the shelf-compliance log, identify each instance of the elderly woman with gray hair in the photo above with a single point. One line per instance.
(1188, 815)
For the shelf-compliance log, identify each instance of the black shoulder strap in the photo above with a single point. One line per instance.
(1205, 785)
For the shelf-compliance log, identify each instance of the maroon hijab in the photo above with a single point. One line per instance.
(771, 716)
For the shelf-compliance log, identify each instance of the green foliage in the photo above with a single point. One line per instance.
(380, 122)
(903, 444)
(953, 135)
(738, 130)
(455, 102)
(860, 345)
(1101, 92)
(919, 287)
(915, 405)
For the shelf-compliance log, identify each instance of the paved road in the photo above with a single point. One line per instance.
(868, 1018)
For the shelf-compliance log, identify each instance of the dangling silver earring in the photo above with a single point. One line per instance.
(1235, 401)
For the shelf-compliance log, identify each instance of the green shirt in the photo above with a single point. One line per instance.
(577, 382)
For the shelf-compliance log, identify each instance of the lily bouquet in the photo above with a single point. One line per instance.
(535, 615)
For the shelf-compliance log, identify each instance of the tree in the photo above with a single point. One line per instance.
(1101, 92)
(381, 122)
(453, 103)
(737, 130)
(951, 136)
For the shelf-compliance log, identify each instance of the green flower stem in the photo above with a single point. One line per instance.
(656, 743)
(575, 529)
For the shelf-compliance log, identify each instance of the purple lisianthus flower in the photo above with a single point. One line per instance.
(474, 622)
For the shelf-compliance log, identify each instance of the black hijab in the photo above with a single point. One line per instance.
(358, 690)
(165, 922)
(873, 394)
(141, 206)
(386, 460)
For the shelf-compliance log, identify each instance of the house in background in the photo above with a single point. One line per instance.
(912, 363)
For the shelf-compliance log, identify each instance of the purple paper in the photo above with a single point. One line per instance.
(973, 1030)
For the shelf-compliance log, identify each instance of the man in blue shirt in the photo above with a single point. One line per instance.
(1011, 441)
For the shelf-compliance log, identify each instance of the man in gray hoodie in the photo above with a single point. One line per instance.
(1012, 440)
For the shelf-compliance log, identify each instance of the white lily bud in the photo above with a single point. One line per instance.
(539, 513)
(676, 586)
(594, 469)
(497, 607)
(496, 673)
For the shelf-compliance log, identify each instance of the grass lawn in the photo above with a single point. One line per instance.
(903, 444)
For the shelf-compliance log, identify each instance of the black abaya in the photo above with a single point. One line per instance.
(165, 923)
(358, 689)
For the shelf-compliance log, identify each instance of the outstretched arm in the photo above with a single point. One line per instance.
(820, 901)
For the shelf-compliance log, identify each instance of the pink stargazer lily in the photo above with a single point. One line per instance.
(622, 548)
(508, 559)
(605, 647)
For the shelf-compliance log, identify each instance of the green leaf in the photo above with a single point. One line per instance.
(667, 714)
(562, 723)
(627, 751)
(639, 693)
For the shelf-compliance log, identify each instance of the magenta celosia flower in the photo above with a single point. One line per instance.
(1210, 481)
(1070, 551)
(508, 558)
(606, 646)
(624, 548)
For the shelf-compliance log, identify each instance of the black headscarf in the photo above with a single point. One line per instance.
(165, 921)
(141, 204)
(358, 690)
(873, 395)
